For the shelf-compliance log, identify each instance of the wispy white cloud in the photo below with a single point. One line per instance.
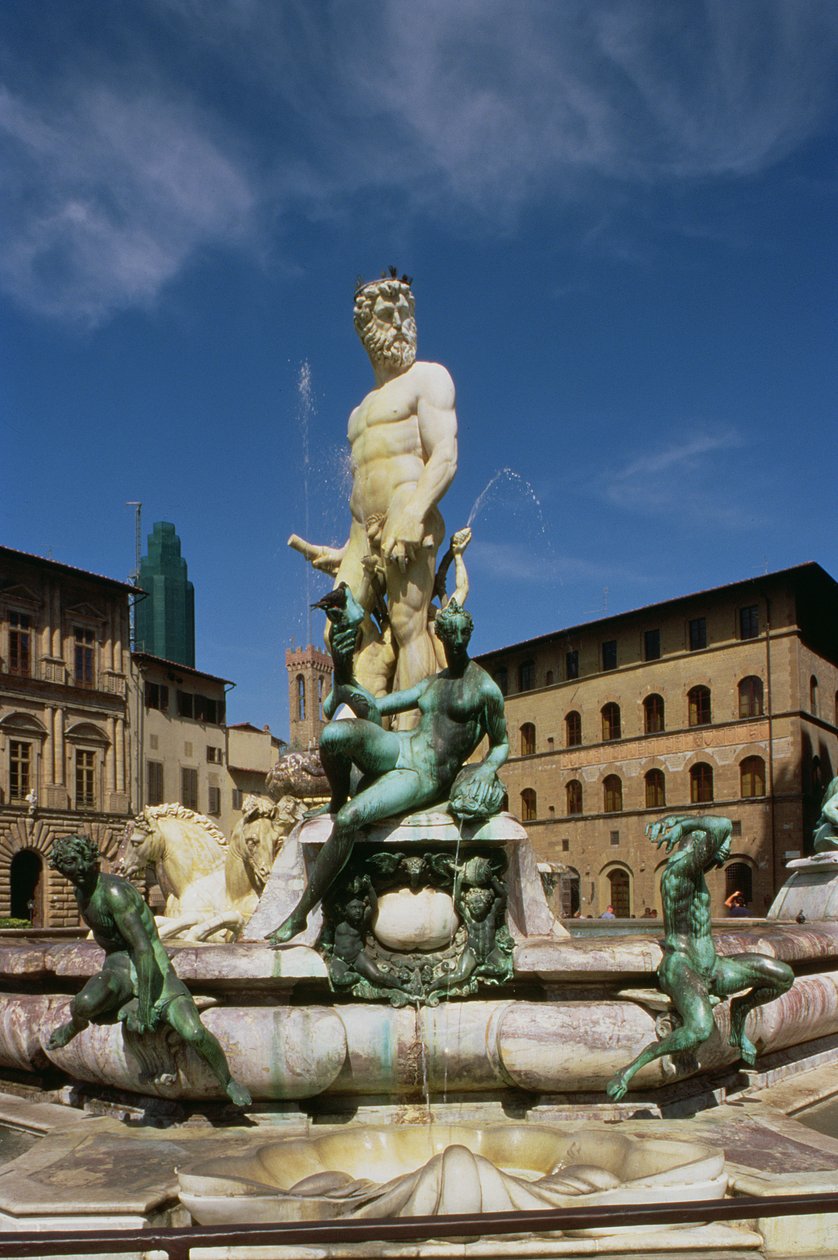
(519, 562)
(504, 107)
(688, 480)
(677, 459)
(118, 167)
(108, 197)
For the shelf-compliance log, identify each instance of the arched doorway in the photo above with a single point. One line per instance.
(27, 884)
(620, 882)
(570, 892)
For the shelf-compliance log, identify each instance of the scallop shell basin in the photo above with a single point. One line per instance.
(441, 1169)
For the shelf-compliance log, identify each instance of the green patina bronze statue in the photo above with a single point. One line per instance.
(825, 835)
(477, 951)
(691, 973)
(403, 771)
(480, 898)
(137, 984)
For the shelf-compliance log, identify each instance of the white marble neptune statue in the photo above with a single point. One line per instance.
(403, 440)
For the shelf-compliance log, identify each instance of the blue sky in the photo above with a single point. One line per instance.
(620, 218)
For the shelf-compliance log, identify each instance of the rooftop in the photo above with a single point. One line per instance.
(809, 570)
(141, 657)
(72, 569)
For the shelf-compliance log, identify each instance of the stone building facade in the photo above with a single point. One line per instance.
(723, 701)
(181, 745)
(90, 732)
(251, 753)
(65, 725)
(309, 681)
(185, 751)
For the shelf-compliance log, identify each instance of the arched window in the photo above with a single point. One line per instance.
(529, 804)
(752, 777)
(653, 714)
(701, 783)
(526, 675)
(620, 898)
(612, 794)
(573, 729)
(813, 696)
(750, 697)
(301, 698)
(527, 739)
(655, 789)
(739, 878)
(699, 702)
(27, 886)
(573, 791)
(501, 677)
(548, 678)
(610, 721)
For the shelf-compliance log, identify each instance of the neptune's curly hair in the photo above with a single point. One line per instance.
(73, 846)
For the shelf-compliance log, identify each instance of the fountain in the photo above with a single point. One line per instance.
(417, 1032)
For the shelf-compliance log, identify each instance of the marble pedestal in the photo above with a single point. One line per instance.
(528, 914)
(811, 890)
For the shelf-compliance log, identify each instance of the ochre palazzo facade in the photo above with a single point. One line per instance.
(65, 728)
(723, 701)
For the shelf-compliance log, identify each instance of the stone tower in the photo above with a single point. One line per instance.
(165, 621)
(309, 680)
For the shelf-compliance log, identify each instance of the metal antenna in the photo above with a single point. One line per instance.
(135, 576)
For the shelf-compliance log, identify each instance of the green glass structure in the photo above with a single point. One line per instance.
(165, 620)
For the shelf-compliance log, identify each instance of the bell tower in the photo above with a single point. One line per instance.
(309, 680)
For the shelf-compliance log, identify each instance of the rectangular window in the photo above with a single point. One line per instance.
(565, 846)
(201, 708)
(215, 756)
(209, 710)
(84, 640)
(749, 622)
(20, 644)
(698, 633)
(189, 787)
(238, 796)
(156, 696)
(20, 769)
(609, 654)
(526, 676)
(615, 837)
(651, 645)
(85, 778)
(571, 664)
(214, 807)
(154, 783)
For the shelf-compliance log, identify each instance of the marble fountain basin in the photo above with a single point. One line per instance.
(439, 1169)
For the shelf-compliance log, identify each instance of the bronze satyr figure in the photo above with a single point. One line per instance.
(691, 972)
(137, 984)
